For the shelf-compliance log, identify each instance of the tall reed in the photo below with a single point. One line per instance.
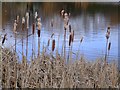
(64, 44)
(15, 41)
(33, 32)
(70, 42)
(26, 43)
(81, 40)
(107, 38)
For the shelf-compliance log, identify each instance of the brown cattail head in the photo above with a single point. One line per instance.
(52, 35)
(70, 39)
(73, 36)
(4, 38)
(33, 28)
(48, 42)
(65, 28)
(108, 27)
(53, 45)
(38, 33)
(81, 40)
(109, 45)
(69, 28)
(62, 12)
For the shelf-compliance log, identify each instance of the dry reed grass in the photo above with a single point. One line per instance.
(47, 72)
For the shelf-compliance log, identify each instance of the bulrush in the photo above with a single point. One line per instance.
(52, 35)
(27, 16)
(72, 35)
(48, 42)
(109, 45)
(81, 39)
(108, 33)
(107, 37)
(4, 38)
(17, 18)
(108, 30)
(70, 39)
(15, 26)
(62, 12)
(53, 45)
(66, 14)
(23, 23)
(36, 15)
(33, 28)
(39, 26)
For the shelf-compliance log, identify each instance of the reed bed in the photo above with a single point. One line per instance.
(47, 71)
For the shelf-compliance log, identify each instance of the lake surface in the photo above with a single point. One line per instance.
(89, 20)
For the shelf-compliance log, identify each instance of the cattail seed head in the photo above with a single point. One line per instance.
(81, 40)
(53, 45)
(109, 45)
(108, 31)
(4, 38)
(62, 12)
(38, 33)
(70, 39)
(65, 28)
(73, 36)
(108, 27)
(69, 28)
(33, 28)
(52, 35)
(65, 14)
(17, 18)
(48, 42)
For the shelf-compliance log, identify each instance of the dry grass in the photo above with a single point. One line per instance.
(49, 72)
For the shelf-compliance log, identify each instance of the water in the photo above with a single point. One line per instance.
(89, 20)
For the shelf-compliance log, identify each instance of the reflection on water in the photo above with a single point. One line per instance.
(89, 20)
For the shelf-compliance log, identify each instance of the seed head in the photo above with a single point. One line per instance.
(109, 45)
(81, 40)
(48, 42)
(33, 28)
(70, 39)
(53, 45)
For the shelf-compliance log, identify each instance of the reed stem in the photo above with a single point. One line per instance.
(106, 51)
(15, 42)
